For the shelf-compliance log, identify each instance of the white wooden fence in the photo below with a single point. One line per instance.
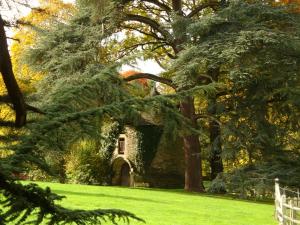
(287, 205)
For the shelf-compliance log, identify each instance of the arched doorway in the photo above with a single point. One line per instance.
(122, 172)
(125, 175)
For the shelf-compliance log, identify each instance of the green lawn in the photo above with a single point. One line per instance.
(167, 207)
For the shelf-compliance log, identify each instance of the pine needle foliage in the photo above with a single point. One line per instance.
(78, 93)
(21, 201)
(256, 48)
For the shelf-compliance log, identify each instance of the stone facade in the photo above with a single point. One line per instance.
(166, 168)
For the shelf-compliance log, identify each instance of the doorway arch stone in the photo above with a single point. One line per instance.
(122, 172)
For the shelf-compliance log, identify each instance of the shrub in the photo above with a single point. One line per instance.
(87, 163)
(257, 180)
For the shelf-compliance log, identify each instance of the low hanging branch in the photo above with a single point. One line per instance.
(24, 200)
(9, 79)
(150, 77)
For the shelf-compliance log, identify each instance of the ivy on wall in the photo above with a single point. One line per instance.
(148, 139)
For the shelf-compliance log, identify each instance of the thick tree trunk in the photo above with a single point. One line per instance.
(11, 84)
(193, 164)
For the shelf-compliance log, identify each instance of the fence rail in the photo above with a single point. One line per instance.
(287, 205)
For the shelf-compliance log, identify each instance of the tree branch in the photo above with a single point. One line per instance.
(168, 53)
(6, 99)
(159, 4)
(200, 116)
(203, 6)
(152, 23)
(4, 123)
(144, 33)
(9, 79)
(150, 77)
(159, 63)
(14, 39)
(205, 76)
(34, 109)
(7, 138)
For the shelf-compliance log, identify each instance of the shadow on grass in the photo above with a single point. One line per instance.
(229, 197)
(108, 196)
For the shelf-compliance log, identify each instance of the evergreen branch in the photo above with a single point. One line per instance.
(24, 199)
(205, 76)
(159, 4)
(132, 47)
(222, 93)
(155, 12)
(200, 7)
(212, 118)
(149, 22)
(113, 108)
(169, 54)
(6, 99)
(150, 77)
(143, 32)
(155, 2)
(34, 109)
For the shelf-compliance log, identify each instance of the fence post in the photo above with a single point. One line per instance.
(280, 199)
(298, 197)
(283, 201)
(291, 212)
(277, 197)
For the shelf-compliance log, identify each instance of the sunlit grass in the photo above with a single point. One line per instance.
(166, 207)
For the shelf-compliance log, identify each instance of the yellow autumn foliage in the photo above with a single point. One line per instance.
(50, 11)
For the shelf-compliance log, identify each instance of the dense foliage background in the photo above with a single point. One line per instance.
(230, 91)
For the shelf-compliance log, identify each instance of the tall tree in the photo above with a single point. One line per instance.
(162, 30)
(255, 47)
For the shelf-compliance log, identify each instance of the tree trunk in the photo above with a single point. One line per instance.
(215, 158)
(177, 6)
(62, 177)
(193, 164)
(10, 82)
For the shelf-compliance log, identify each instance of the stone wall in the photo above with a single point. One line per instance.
(129, 156)
(167, 167)
(131, 142)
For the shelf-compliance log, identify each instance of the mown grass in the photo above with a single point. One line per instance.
(166, 207)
